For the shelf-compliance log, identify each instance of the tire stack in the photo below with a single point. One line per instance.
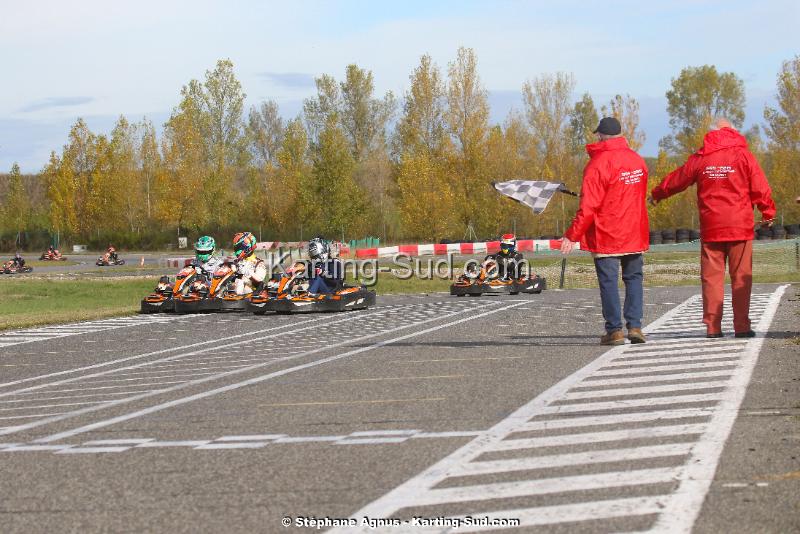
(655, 237)
(683, 235)
(763, 234)
(792, 231)
(668, 237)
(778, 232)
(694, 234)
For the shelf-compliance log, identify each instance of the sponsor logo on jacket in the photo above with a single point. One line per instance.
(718, 172)
(631, 177)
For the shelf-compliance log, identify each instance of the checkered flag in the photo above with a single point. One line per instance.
(533, 194)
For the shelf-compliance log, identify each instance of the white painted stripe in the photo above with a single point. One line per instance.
(619, 362)
(131, 441)
(629, 403)
(654, 378)
(262, 437)
(308, 439)
(597, 437)
(587, 511)
(92, 450)
(683, 507)
(595, 393)
(597, 420)
(12, 429)
(543, 486)
(488, 467)
(370, 441)
(37, 406)
(365, 433)
(154, 353)
(700, 352)
(187, 443)
(248, 445)
(454, 434)
(230, 387)
(38, 399)
(659, 368)
(32, 448)
(406, 493)
(695, 343)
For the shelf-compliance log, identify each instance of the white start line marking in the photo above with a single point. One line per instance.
(635, 404)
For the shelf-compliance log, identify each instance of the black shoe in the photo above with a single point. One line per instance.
(749, 333)
(714, 336)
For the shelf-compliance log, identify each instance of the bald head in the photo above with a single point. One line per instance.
(720, 123)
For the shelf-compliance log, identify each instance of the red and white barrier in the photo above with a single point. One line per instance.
(464, 249)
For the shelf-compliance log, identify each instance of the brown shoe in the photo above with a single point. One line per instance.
(636, 335)
(614, 338)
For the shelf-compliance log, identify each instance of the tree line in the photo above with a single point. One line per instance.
(356, 163)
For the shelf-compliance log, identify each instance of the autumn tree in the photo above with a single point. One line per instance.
(698, 95)
(149, 160)
(783, 133)
(583, 120)
(265, 131)
(467, 119)
(550, 113)
(626, 110)
(422, 128)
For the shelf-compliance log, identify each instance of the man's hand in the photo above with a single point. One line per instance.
(652, 201)
(566, 245)
(768, 223)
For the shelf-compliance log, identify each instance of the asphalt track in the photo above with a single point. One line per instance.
(424, 406)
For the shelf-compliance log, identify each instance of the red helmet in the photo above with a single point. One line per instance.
(244, 243)
(508, 244)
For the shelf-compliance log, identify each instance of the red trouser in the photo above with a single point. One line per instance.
(739, 255)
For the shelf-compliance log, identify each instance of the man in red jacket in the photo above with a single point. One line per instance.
(611, 223)
(729, 183)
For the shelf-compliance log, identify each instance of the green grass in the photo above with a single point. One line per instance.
(31, 302)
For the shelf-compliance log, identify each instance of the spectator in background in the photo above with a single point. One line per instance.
(729, 183)
(612, 224)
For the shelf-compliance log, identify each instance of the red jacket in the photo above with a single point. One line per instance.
(612, 217)
(729, 183)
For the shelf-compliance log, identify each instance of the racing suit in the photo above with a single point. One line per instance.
(508, 267)
(206, 269)
(252, 271)
(325, 276)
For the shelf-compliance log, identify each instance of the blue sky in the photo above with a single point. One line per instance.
(97, 60)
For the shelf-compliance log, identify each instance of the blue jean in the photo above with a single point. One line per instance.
(607, 276)
(319, 286)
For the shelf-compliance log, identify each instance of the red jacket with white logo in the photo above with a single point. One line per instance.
(612, 217)
(729, 183)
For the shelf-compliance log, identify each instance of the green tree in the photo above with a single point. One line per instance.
(583, 121)
(333, 203)
(265, 131)
(698, 95)
(16, 209)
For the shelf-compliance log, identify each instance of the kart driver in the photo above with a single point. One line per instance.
(204, 260)
(111, 254)
(326, 274)
(18, 261)
(251, 269)
(508, 260)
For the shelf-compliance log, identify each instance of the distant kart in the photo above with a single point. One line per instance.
(54, 255)
(162, 299)
(105, 261)
(290, 295)
(219, 295)
(10, 267)
(483, 281)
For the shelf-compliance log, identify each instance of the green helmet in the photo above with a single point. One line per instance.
(204, 248)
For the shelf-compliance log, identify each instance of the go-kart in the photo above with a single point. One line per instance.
(218, 295)
(107, 260)
(52, 255)
(12, 267)
(290, 295)
(484, 280)
(162, 299)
